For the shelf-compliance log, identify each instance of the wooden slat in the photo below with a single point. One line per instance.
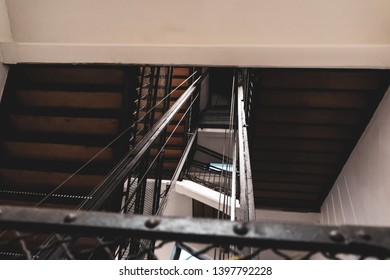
(293, 168)
(308, 116)
(64, 125)
(159, 105)
(322, 79)
(306, 145)
(303, 131)
(287, 195)
(289, 205)
(178, 129)
(174, 94)
(181, 71)
(56, 152)
(290, 177)
(157, 115)
(168, 153)
(176, 141)
(72, 75)
(177, 93)
(67, 99)
(170, 165)
(314, 99)
(299, 157)
(286, 186)
(45, 180)
(180, 82)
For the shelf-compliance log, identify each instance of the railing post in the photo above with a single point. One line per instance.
(247, 205)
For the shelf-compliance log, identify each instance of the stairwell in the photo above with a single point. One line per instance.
(56, 119)
(64, 127)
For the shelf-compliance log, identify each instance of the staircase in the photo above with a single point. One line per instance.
(54, 119)
(161, 87)
(57, 126)
(213, 171)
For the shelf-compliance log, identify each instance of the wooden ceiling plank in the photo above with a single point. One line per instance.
(288, 144)
(314, 99)
(308, 116)
(290, 177)
(303, 131)
(297, 168)
(287, 195)
(323, 79)
(301, 157)
(286, 186)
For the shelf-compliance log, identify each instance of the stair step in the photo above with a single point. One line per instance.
(144, 102)
(168, 153)
(72, 75)
(176, 141)
(180, 82)
(34, 180)
(181, 71)
(55, 152)
(69, 99)
(170, 164)
(63, 125)
(177, 128)
(174, 94)
(157, 115)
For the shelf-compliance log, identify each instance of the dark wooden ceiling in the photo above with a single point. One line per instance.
(304, 127)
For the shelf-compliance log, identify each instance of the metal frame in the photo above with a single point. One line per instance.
(247, 210)
(119, 174)
(177, 173)
(362, 240)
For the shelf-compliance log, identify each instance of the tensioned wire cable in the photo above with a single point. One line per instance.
(170, 136)
(164, 145)
(107, 146)
(102, 150)
(224, 180)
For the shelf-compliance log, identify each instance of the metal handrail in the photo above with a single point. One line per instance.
(118, 175)
(363, 240)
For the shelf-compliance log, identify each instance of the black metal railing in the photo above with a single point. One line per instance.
(135, 184)
(89, 234)
(211, 169)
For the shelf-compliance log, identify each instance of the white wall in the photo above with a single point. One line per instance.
(361, 194)
(177, 206)
(300, 33)
(201, 22)
(5, 30)
(215, 139)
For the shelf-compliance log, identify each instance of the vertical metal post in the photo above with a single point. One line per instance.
(138, 107)
(247, 205)
(234, 182)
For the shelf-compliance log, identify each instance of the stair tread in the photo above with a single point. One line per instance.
(47, 74)
(64, 125)
(61, 116)
(55, 152)
(69, 99)
(33, 179)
